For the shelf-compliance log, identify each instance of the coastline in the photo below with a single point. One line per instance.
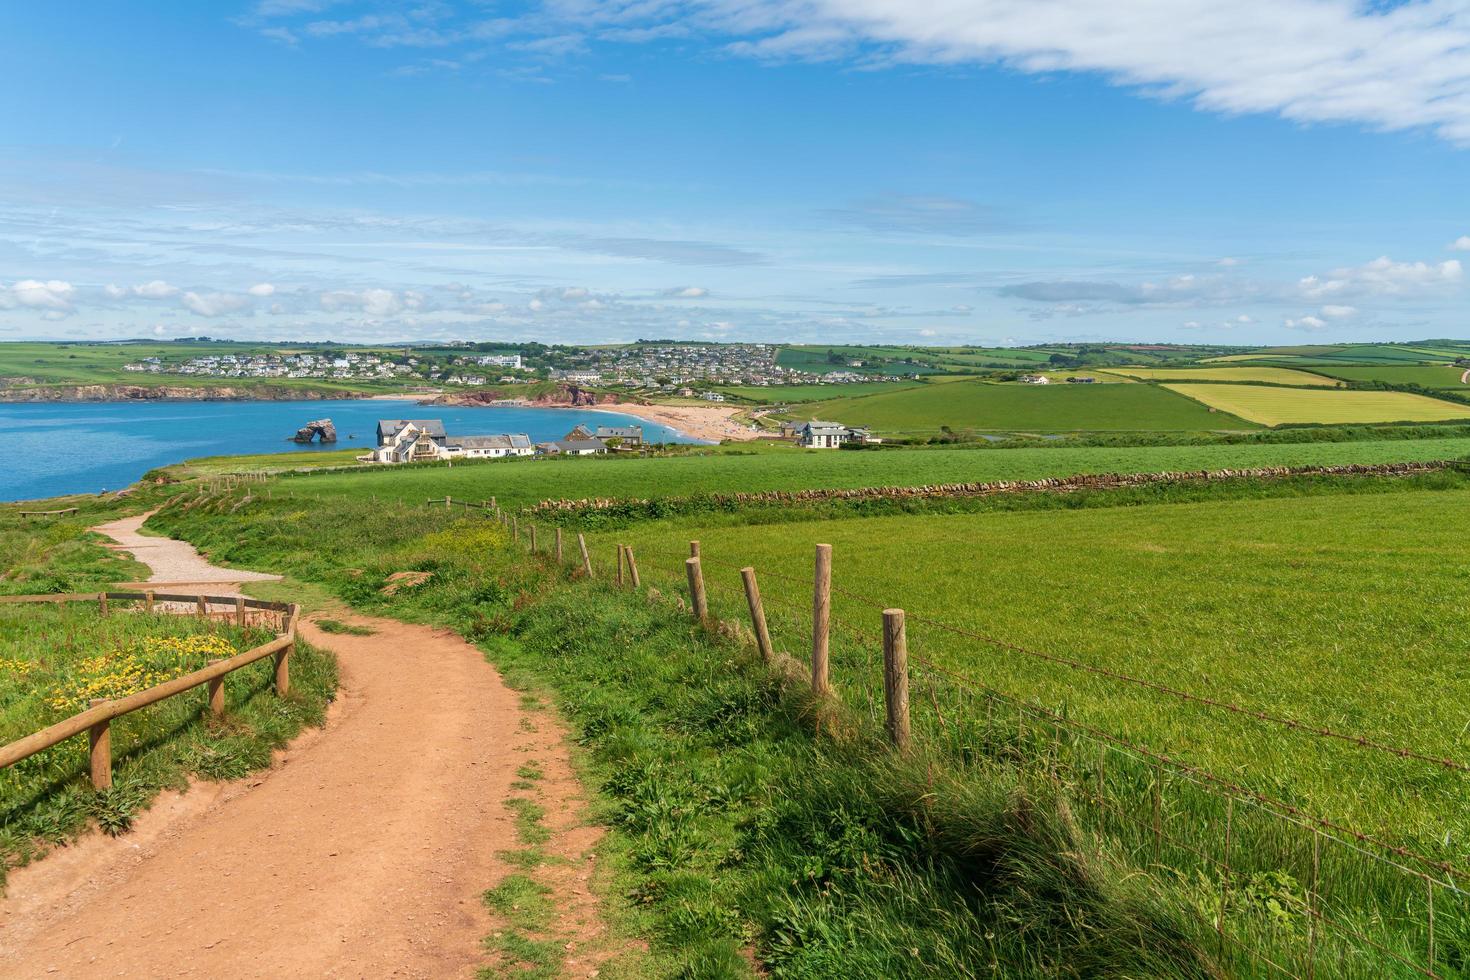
(712, 424)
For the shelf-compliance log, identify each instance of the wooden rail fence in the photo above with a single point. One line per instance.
(97, 719)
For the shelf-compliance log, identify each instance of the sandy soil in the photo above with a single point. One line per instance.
(362, 852)
(696, 421)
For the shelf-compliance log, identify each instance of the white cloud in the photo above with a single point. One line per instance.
(53, 295)
(1307, 323)
(214, 304)
(1228, 262)
(1383, 277)
(372, 302)
(1461, 244)
(1400, 67)
(158, 330)
(1339, 312)
(157, 289)
(926, 332)
(262, 289)
(686, 292)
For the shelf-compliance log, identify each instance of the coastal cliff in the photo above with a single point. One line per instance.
(560, 396)
(130, 392)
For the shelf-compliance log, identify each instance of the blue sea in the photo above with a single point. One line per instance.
(89, 447)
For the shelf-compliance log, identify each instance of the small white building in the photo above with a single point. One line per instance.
(1033, 379)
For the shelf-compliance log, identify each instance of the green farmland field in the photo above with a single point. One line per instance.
(1342, 610)
(1025, 408)
(1284, 406)
(521, 483)
(1424, 375)
(812, 393)
(1269, 375)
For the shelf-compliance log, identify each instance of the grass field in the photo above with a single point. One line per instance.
(1292, 616)
(811, 393)
(1340, 607)
(1028, 408)
(1268, 375)
(1424, 375)
(54, 659)
(522, 483)
(1285, 406)
(60, 554)
(815, 359)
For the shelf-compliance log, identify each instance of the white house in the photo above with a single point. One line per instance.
(420, 440)
(831, 435)
(821, 435)
(409, 440)
(1033, 379)
(489, 447)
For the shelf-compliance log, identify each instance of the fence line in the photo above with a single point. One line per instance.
(96, 720)
(1329, 935)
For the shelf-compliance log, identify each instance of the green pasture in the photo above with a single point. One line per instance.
(1341, 610)
(791, 394)
(1025, 408)
(1424, 375)
(815, 359)
(1265, 375)
(519, 483)
(1285, 406)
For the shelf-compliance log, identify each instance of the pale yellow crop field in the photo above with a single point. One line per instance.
(1283, 406)
(1270, 375)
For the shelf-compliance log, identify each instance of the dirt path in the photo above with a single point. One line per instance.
(362, 852)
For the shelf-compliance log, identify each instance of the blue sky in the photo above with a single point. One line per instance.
(929, 171)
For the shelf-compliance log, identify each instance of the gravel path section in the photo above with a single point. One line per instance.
(362, 852)
(173, 562)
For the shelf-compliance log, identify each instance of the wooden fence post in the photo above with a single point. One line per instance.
(493, 503)
(533, 539)
(896, 677)
(821, 619)
(515, 529)
(697, 597)
(102, 603)
(558, 546)
(447, 502)
(586, 558)
(619, 577)
(239, 610)
(632, 567)
(99, 742)
(757, 614)
(694, 549)
(201, 607)
(217, 693)
(283, 657)
(148, 601)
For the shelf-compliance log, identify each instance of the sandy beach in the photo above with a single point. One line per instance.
(713, 423)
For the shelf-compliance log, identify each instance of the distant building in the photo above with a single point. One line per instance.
(831, 435)
(1033, 379)
(573, 447)
(490, 447)
(1079, 380)
(712, 396)
(630, 435)
(821, 435)
(424, 440)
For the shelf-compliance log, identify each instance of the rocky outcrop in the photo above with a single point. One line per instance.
(192, 393)
(321, 427)
(569, 396)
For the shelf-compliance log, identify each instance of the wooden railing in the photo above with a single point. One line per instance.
(97, 719)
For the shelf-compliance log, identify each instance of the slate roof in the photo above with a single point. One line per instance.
(515, 440)
(388, 428)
